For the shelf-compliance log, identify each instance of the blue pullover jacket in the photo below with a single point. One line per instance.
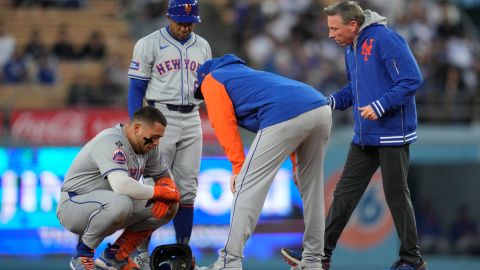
(384, 74)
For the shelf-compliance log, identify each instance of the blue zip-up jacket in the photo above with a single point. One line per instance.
(383, 73)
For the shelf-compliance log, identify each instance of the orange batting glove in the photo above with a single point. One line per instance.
(165, 189)
(160, 209)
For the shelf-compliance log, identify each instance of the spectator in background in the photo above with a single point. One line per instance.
(460, 51)
(70, 3)
(7, 45)
(447, 18)
(463, 232)
(114, 76)
(144, 21)
(94, 48)
(33, 3)
(35, 46)
(430, 233)
(63, 47)
(81, 92)
(46, 72)
(15, 70)
(249, 21)
(49, 3)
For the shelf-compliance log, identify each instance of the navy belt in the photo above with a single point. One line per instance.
(172, 107)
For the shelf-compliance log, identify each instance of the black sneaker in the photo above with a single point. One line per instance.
(402, 265)
(326, 263)
(294, 256)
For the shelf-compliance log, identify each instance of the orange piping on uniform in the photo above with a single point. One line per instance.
(222, 118)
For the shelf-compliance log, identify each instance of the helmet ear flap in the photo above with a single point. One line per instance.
(172, 257)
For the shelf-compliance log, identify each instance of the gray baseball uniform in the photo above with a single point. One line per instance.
(88, 206)
(170, 68)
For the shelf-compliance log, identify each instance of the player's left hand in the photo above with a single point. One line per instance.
(367, 112)
(160, 209)
(232, 183)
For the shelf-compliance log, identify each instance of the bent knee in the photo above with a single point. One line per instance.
(120, 209)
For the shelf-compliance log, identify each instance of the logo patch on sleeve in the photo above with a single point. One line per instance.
(119, 156)
(134, 65)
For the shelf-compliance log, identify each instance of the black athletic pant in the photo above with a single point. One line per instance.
(360, 166)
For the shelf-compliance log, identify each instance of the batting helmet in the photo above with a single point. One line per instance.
(183, 11)
(172, 257)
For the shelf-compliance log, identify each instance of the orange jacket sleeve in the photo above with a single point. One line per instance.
(222, 118)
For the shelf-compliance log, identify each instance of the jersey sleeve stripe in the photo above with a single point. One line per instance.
(139, 77)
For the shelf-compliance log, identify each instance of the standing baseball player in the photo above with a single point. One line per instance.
(164, 71)
(102, 193)
(288, 117)
(384, 77)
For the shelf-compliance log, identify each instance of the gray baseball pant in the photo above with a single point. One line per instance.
(100, 213)
(181, 146)
(307, 135)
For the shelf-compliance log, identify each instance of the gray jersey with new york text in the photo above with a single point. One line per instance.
(110, 151)
(169, 66)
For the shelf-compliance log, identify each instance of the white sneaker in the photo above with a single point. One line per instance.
(306, 266)
(143, 260)
(217, 266)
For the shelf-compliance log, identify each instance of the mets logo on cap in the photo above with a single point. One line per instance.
(119, 156)
(188, 8)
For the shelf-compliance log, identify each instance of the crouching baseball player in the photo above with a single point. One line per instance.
(288, 117)
(102, 193)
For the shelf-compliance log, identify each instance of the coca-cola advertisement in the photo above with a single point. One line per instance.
(63, 127)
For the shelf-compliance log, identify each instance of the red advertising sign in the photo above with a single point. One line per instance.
(63, 127)
(75, 126)
(371, 223)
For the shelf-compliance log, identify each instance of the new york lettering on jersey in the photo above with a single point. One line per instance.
(174, 64)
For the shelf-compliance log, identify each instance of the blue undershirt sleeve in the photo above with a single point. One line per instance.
(136, 93)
